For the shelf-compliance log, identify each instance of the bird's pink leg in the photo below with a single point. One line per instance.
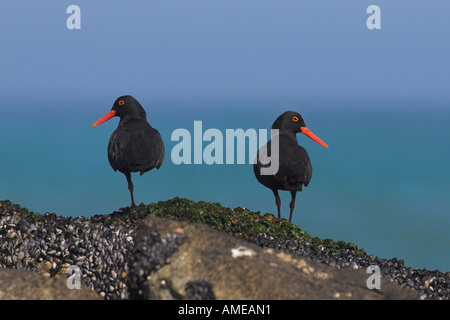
(278, 202)
(131, 188)
(292, 204)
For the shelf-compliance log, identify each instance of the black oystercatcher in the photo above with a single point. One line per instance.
(294, 170)
(135, 145)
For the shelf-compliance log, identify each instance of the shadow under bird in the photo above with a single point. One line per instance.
(294, 165)
(135, 146)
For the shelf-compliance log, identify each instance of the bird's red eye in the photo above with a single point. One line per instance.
(295, 119)
(121, 103)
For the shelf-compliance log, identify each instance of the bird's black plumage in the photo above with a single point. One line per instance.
(294, 164)
(135, 146)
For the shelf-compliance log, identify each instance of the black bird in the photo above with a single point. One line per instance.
(135, 146)
(294, 165)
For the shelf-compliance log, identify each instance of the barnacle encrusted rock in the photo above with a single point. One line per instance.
(236, 269)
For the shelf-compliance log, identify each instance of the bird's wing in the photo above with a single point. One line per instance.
(141, 149)
(151, 146)
(295, 167)
(294, 170)
(118, 146)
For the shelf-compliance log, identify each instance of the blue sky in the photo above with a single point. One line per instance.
(213, 50)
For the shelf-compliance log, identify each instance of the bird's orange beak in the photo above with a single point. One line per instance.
(105, 118)
(312, 136)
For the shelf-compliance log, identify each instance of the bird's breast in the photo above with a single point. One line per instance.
(135, 148)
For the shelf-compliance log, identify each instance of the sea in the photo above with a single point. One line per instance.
(383, 184)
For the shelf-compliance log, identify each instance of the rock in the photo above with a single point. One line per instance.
(205, 263)
(29, 285)
(104, 246)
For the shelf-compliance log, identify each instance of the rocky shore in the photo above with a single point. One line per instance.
(174, 249)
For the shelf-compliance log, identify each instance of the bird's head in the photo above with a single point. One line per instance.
(124, 106)
(292, 122)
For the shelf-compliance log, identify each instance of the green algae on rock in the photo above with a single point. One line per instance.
(239, 222)
(8, 205)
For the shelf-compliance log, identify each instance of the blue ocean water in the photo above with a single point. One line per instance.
(382, 184)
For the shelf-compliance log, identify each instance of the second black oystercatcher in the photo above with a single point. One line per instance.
(294, 165)
(135, 146)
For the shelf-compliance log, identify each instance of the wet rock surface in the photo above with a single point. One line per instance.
(28, 285)
(115, 262)
(152, 251)
(231, 268)
(50, 244)
(430, 284)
